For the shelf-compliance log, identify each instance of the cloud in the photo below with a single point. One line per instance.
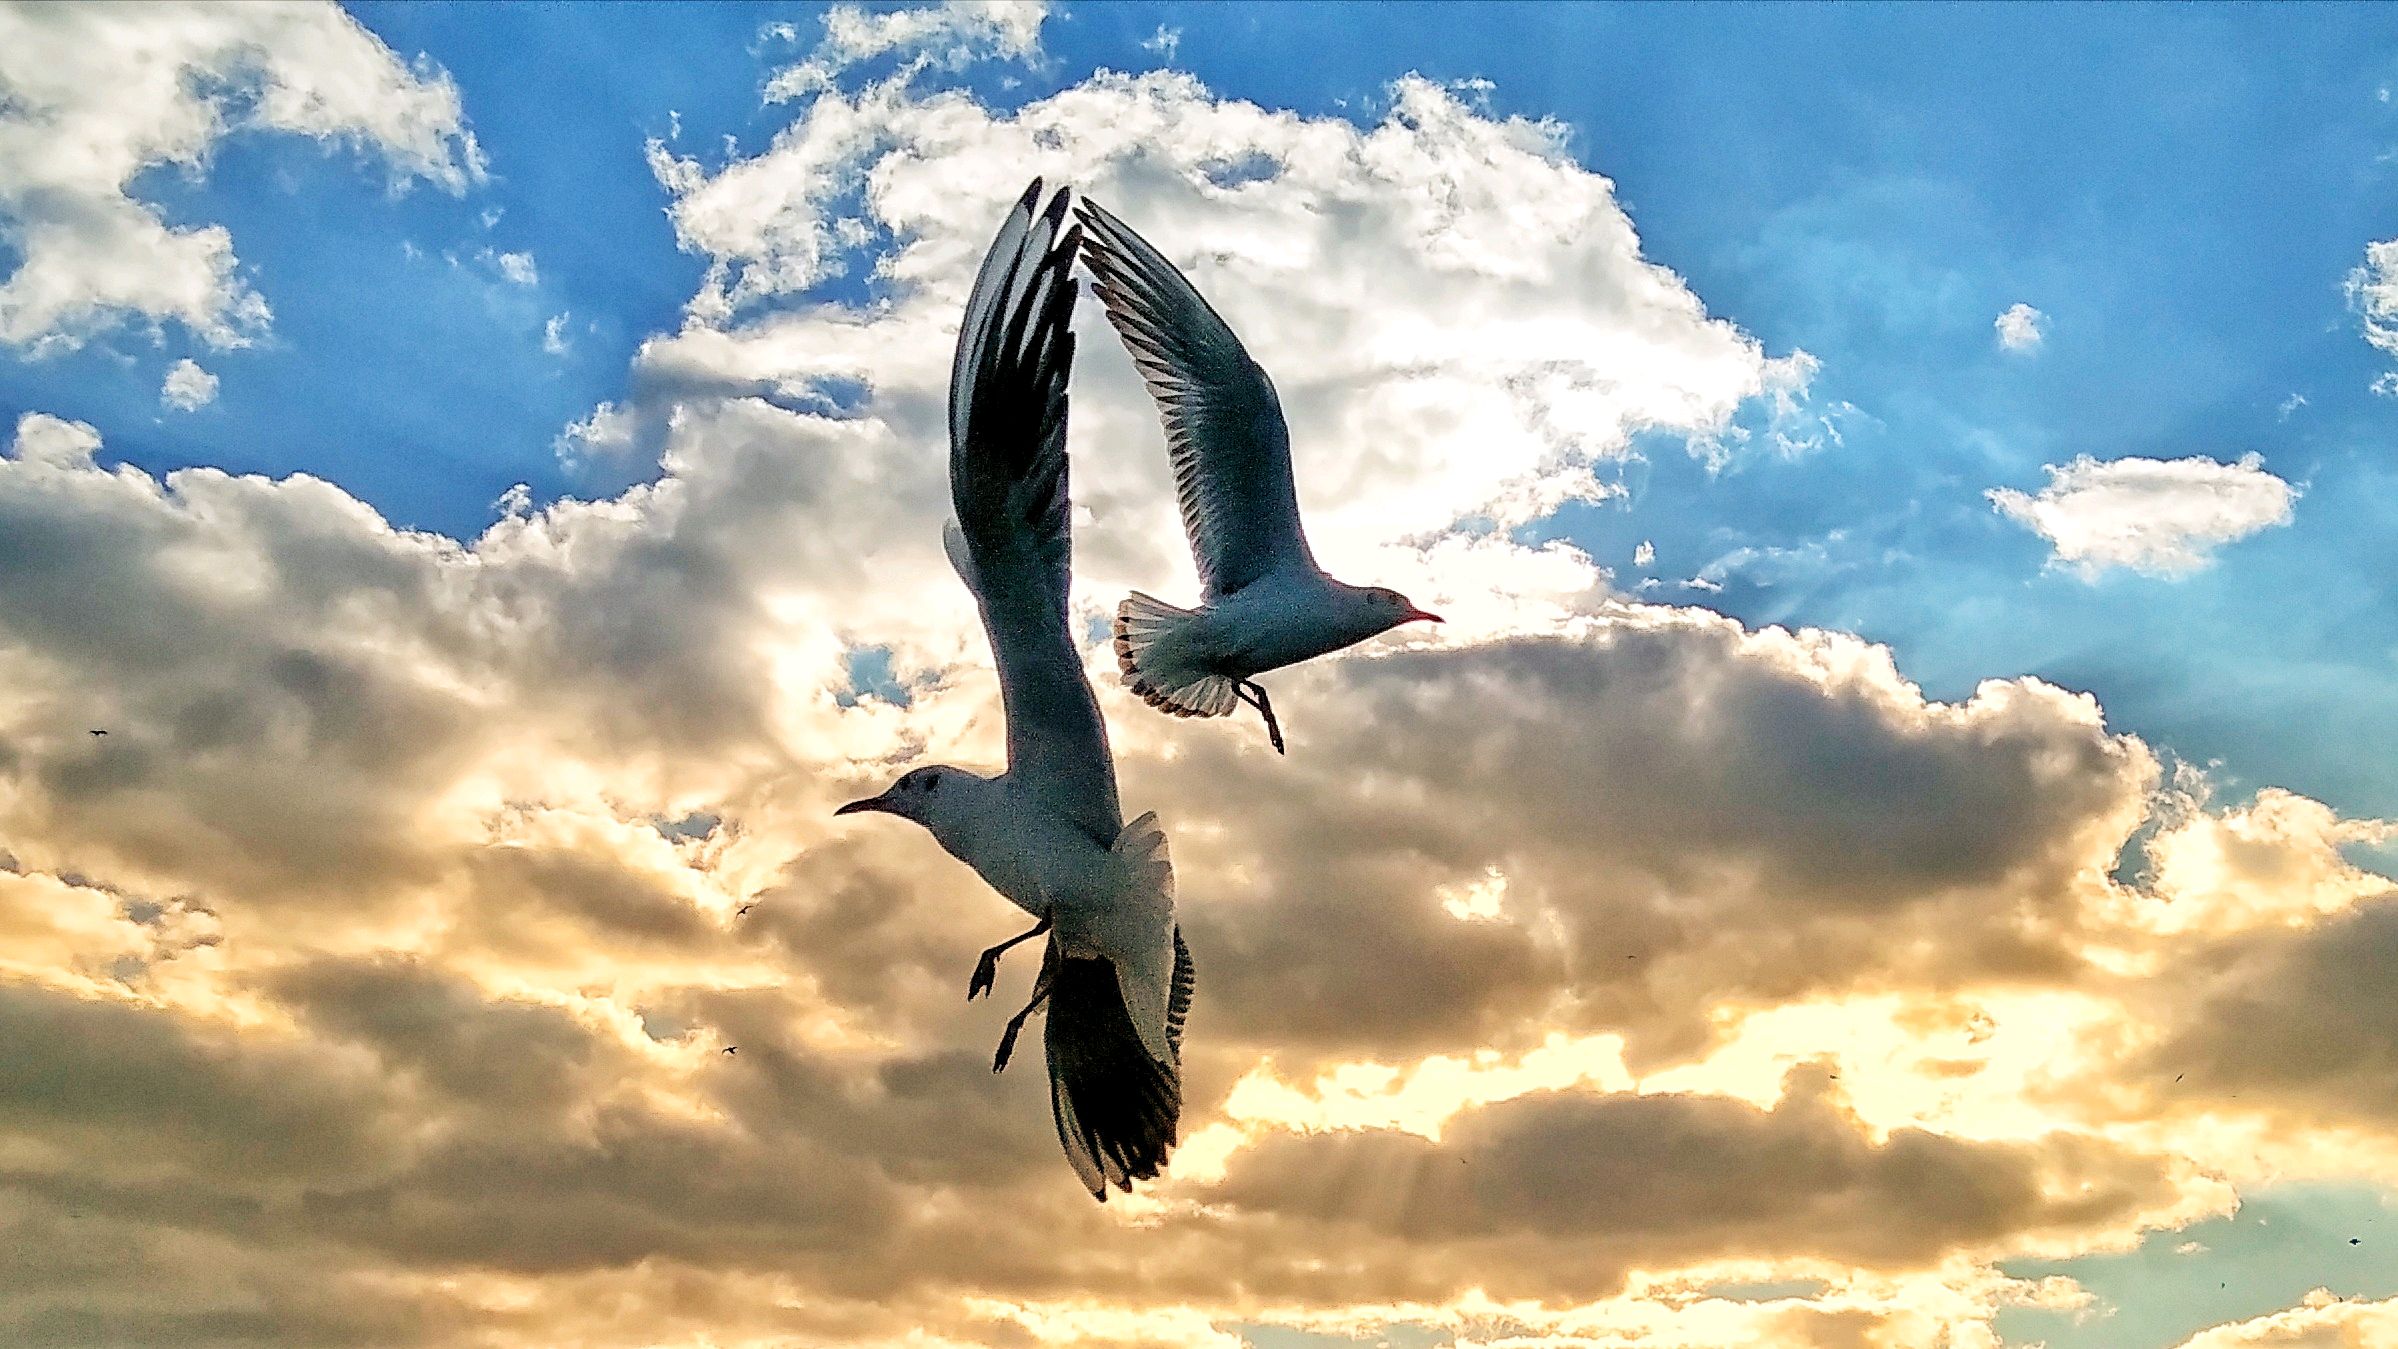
(2158, 517)
(1558, 1194)
(188, 387)
(517, 268)
(1462, 269)
(2373, 293)
(515, 1072)
(553, 335)
(945, 36)
(414, 878)
(2021, 329)
(91, 98)
(1166, 42)
(1634, 838)
(2320, 1321)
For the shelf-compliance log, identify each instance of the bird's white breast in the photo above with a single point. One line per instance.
(1041, 863)
(1282, 620)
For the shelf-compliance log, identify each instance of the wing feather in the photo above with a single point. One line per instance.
(1007, 481)
(1225, 435)
(1118, 1110)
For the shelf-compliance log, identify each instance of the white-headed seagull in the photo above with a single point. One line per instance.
(1265, 603)
(1048, 833)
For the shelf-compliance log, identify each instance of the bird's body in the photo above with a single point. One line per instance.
(1048, 834)
(1265, 602)
(1109, 901)
(1193, 664)
(1036, 860)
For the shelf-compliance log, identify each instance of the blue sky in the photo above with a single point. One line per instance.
(2183, 194)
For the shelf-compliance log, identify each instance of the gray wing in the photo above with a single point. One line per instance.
(1007, 481)
(1224, 430)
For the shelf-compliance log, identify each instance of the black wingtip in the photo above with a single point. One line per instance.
(1094, 213)
(1058, 204)
(1125, 1107)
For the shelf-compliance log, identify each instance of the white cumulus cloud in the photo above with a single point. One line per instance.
(92, 96)
(945, 36)
(1434, 282)
(2373, 290)
(2159, 517)
(188, 386)
(2021, 328)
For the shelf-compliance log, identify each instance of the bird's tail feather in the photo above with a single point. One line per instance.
(1138, 933)
(1118, 1109)
(1146, 629)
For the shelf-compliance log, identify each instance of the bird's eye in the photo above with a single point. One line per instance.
(931, 780)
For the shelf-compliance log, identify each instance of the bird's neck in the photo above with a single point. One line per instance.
(971, 809)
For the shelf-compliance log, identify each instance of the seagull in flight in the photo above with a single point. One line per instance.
(1265, 603)
(1048, 834)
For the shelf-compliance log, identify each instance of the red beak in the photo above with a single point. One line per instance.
(1414, 615)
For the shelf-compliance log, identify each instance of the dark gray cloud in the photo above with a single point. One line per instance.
(1556, 1194)
(1684, 814)
(2297, 1020)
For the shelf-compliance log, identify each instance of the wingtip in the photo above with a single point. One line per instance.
(1069, 244)
(1059, 203)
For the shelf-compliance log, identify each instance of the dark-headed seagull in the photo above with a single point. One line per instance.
(1048, 833)
(1264, 601)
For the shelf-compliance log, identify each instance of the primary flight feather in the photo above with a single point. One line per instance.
(1265, 602)
(1048, 833)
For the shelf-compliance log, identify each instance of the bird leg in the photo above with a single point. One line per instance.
(1254, 694)
(986, 970)
(1040, 994)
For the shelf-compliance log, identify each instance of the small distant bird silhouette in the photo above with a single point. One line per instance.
(743, 911)
(732, 1049)
(1049, 834)
(1265, 602)
(99, 733)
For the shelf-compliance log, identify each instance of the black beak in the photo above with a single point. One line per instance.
(881, 803)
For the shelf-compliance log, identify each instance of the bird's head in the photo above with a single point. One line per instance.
(920, 795)
(1380, 609)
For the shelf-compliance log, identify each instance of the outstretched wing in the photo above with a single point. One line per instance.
(1224, 430)
(1007, 482)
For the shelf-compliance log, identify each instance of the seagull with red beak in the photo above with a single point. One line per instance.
(1265, 603)
(1048, 833)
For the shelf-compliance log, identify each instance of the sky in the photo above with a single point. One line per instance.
(1892, 848)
